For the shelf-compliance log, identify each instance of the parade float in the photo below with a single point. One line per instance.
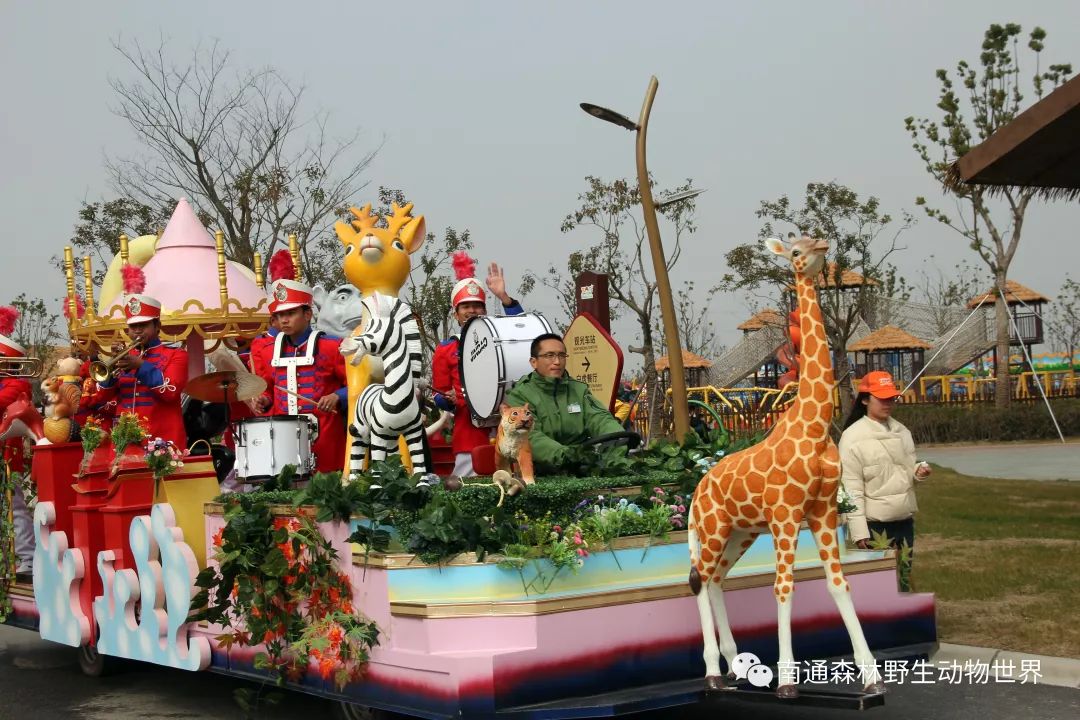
(404, 593)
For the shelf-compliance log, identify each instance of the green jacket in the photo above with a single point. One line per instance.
(556, 426)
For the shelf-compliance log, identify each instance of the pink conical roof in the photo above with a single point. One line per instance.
(185, 230)
(184, 268)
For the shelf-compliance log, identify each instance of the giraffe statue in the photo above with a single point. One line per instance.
(772, 487)
(377, 260)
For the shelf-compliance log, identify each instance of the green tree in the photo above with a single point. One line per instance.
(974, 102)
(235, 142)
(101, 224)
(36, 330)
(861, 238)
(431, 279)
(622, 252)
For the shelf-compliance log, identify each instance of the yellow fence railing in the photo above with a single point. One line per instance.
(748, 410)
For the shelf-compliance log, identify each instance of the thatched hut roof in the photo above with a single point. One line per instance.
(689, 360)
(768, 316)
(1040, 148)
(1015, 293)
(888, 337)
(848, 278)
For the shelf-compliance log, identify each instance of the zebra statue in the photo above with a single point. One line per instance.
(385, 411)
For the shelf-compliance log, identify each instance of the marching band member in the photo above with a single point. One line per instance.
(14, 459)
(307, 363)
(468, 300)
(152, 376)
(281, 267)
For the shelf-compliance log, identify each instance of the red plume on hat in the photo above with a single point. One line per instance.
(8, 318)
(464, 266)
(282, 266)
(80, 307)
(134, 279)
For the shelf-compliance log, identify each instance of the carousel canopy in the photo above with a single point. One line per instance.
(184, 269)
(1015, 293)
(888, 337)
(1040, 148)
(689, 360)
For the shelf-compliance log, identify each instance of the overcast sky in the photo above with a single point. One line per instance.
(477, 102)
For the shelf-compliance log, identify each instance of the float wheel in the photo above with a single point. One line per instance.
(94, 664)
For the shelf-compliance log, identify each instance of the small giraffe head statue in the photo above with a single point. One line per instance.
(806, 254)
(377, 258)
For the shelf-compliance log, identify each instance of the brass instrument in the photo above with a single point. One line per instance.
(20, 367)
(104, 370)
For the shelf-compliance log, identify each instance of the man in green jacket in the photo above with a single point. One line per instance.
(566, 412)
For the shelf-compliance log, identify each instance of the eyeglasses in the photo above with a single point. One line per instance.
(550, 356)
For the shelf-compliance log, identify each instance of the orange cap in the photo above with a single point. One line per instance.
(879, 384)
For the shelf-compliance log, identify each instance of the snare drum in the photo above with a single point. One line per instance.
(265, 445)
(493, 355)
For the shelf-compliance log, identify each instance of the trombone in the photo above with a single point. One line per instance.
(20, 367)
(105, 370)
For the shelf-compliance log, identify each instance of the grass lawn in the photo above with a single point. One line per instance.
(1003, 557)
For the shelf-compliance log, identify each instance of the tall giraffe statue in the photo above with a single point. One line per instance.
(772, 487)
(377, 261)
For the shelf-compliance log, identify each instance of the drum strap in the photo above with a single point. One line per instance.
(291, 363)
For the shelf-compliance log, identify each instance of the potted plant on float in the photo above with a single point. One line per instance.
(128, 433)
(92, 435)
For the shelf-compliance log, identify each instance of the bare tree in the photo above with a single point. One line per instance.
(994, 97)
(945, 292)
(622, 252)
(237, 146)
(697, 334)
(1065, 320)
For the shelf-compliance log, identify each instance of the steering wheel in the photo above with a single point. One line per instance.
(624, 437)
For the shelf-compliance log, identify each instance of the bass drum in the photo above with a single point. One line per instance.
(494, 354)
(265, 445)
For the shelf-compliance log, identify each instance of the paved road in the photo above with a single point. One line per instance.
(41, 681)
(1014, 461)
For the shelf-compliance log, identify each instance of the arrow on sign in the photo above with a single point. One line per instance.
(586, 364)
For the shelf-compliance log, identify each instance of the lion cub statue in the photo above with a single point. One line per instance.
(512, 447)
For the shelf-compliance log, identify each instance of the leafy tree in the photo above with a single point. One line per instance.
(853, 228)
(236, 144)
(1065, 320)
(973, 106)
(431, 279)
(36, 330)
(622, 251)
(102, 223)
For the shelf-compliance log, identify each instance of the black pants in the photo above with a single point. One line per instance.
(900, 533)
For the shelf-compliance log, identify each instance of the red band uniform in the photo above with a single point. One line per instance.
(309, 365)
(153, 391)
(446, 376)
(10, 391)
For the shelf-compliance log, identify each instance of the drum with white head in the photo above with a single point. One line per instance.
(493, 355)
(265, 445)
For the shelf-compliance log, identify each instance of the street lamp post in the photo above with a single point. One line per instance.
(680, 407)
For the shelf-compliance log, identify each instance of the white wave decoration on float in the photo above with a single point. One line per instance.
(58, 573)
(163, 585)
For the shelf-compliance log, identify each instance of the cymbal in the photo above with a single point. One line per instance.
(226, 386)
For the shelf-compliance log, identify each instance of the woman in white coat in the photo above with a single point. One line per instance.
(879, 468)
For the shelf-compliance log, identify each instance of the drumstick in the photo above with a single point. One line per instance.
(298, 396)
